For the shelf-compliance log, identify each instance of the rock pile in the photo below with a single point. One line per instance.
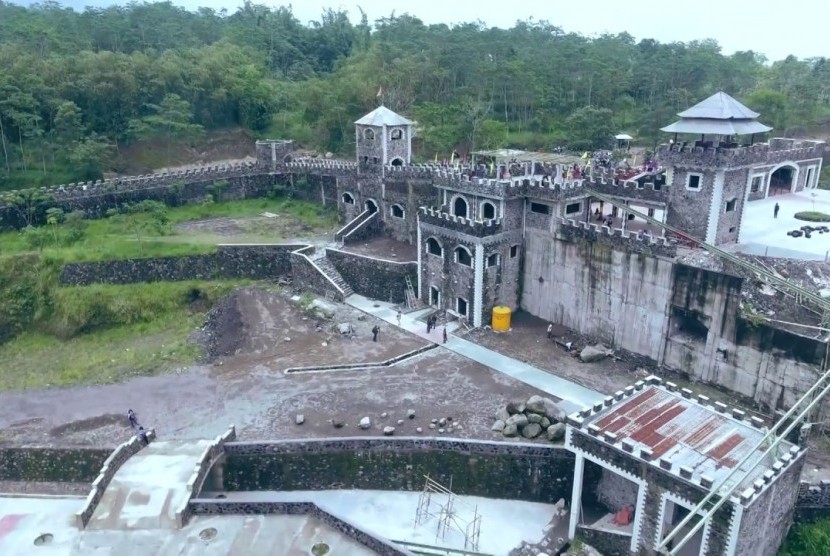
(536, 417)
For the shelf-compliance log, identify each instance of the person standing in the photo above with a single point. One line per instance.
(429, 324)
(132, 418)
(445, 334)
(375, 331)
(550, 330)
(775, 211)
(399, 318)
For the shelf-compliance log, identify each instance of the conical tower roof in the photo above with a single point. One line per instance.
(720, 114)
(382, 116)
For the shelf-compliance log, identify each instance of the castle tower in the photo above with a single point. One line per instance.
(708, 178)
(383, 137)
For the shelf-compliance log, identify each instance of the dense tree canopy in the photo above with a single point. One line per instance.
(76, 87)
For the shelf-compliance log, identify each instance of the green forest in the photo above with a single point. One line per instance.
(76, 88)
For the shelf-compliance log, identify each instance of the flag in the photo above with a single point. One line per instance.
(380, 92)
(492, 168)
(585, 154)
(436, 158)
(452, 158)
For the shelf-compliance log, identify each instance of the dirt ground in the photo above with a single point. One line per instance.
(250, 390)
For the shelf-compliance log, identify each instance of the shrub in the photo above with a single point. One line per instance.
(812, 216)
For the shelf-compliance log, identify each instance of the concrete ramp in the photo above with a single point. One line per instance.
(149, 488)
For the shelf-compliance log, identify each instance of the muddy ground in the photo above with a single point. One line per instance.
(250, 389)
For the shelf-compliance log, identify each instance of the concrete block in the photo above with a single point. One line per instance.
(704, 400)
(757, 422)
(747, 495)
(665, 464)
(628, 446)
(706, 481)
(646, 454)
(672, 387)
(593, 430)
(758, 485)
(629, 390)
(575, 421)
(686, 472)
(686, 393)
(618, 395)
(610, 437)
(598, 407)
(639, 385)
(720, 407)
(609, 401)
(738, 414)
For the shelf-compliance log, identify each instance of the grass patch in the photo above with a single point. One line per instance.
(132, 236)
(812, 216)
(807, 539)
(107, 333)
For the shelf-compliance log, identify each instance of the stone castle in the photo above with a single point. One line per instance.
(568, 240)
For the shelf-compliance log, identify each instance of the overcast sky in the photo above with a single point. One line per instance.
(776, 29)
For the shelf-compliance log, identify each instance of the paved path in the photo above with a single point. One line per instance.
(577, 396)
(148, 489)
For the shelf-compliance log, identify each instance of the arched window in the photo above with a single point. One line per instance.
(348, 198)
(371, 206)
(396, 135)
(397, 162)
(459, 207)
(462, 256)
(369, 134)
(434, 248)
(488, 210)
(397, 211)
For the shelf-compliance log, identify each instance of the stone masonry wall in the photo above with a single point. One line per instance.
(305, 274)
(374, 278)
(476, 468)
(615, 491)
(729, 223)
(689, 209)
(608, 543)
(76, 465)
(452, 279)
(229, 261)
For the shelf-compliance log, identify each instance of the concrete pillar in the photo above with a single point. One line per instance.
(478, 285)
(714, 207)
(576, 495)
(418, 228)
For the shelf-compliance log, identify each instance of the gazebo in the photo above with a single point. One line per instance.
(623, 141)
(719, 115)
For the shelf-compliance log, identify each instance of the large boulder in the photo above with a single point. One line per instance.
(502, 414)
(555, 432)
(534, 418)
(510, 430)
(535, 404)
(553, 411)
(532, 430)
(498, 426)
(589, 354)
(545, 422)
(365, 423)
(518, 419)
(515, 407)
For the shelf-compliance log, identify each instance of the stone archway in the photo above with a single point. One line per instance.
(459, 207)
(782, 180)
(371, 205)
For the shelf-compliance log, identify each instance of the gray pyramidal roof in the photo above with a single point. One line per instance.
(382, 116)
(720, 114)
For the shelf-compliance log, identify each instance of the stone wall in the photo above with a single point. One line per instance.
(617, 296)
(108, 470)
(452, 279)
(225, 507)
(74, 465)
(615, 491)
(374, 278)
(502, 283)
(608, 543)
(689, 209)
(813, 501)
(308, 275)
(230, 261)
(529, 472)
(734, 192)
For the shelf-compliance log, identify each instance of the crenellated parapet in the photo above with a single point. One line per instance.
(477, 228)
(776, 151)
(622, 239)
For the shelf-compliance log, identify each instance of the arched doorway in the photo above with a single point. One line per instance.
(459, 207)
(488, 210)
(782, 180)
(371, 206)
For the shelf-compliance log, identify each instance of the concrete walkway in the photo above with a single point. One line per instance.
(148, 489)
(575, 395)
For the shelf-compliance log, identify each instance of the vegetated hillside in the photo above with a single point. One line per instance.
(76, 89)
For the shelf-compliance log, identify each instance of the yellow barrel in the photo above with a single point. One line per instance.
(501, 318)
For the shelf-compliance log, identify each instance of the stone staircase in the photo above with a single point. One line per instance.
(328, 269)
(352, 224)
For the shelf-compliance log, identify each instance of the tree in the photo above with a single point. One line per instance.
(591, 128)
(172, 119)
(89, 156)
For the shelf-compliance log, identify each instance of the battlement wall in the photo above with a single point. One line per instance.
(776, 151)
(478, 228)
(619, 239)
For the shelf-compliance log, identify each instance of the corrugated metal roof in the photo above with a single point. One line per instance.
(719, 106)
(686, 433)
(698, 126)
(382, 116)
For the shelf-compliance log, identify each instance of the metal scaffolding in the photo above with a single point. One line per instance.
(441, 504)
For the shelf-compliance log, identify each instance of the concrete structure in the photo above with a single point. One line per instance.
(661, 450)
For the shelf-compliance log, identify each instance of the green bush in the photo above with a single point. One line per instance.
(812, 216)
(811, 539)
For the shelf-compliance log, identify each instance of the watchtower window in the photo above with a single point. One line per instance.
(459, 207)
(348, 199)
(514, 251)
(462, 256)
(693, 181)
(488, 211)
(396, 135)
(434, 248)
(493, 260)
(369, 134)
(540, 208)
(397, 211)
(731, 205)
(755, 186)
(573, 208)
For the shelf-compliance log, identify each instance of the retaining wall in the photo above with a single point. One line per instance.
(312, 278)
(70, 465)
(374, 278)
